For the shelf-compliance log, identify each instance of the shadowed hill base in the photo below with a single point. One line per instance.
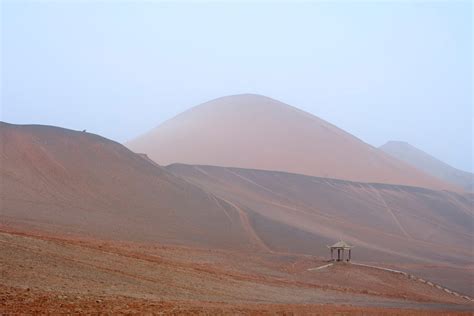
(388, 223)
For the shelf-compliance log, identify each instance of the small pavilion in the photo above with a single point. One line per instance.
(340, 247)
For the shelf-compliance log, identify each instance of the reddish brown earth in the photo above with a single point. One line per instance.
(73, 182)
(257, 132)
(57, 274)
(18, 301)
(114, 226)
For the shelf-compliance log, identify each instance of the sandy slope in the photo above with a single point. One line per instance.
(256, 132)
(388, 223)
(429, 164)
(74, 182)
(79, 184)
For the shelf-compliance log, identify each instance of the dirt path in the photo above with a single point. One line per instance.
(321, 267)
(392, 214)
(248, 227)
(413, 277)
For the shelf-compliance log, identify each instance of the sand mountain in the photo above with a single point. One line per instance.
(67, 181)
(257, 132)
(64, 181)
(429, 164)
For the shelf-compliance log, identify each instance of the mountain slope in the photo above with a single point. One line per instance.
(66, 181)
(256, 132)
(389, 223)
(69, 182)
(429, 164)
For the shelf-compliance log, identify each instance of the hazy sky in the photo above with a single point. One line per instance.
(380, 70)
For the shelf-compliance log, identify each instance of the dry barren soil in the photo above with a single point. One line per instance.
(63, 274)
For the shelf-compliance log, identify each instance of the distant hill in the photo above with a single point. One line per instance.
(257, 132)
(429, 164)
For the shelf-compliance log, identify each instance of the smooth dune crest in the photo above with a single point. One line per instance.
(257, 132)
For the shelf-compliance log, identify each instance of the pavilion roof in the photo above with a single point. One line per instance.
(341, 244)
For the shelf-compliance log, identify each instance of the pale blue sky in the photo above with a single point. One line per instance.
(380, 70)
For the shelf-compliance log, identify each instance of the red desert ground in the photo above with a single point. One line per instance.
(228, 208)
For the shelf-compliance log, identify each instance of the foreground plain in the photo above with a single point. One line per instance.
(45, 273)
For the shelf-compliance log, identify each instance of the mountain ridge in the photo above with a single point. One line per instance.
(429, 164)
(258, 132)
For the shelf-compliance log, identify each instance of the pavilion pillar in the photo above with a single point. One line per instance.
(349, 255)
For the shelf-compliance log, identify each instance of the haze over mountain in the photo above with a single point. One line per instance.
(429, 164)
(257, 132)
(154, 197)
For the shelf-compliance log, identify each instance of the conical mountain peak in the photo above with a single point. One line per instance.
(257, 132)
